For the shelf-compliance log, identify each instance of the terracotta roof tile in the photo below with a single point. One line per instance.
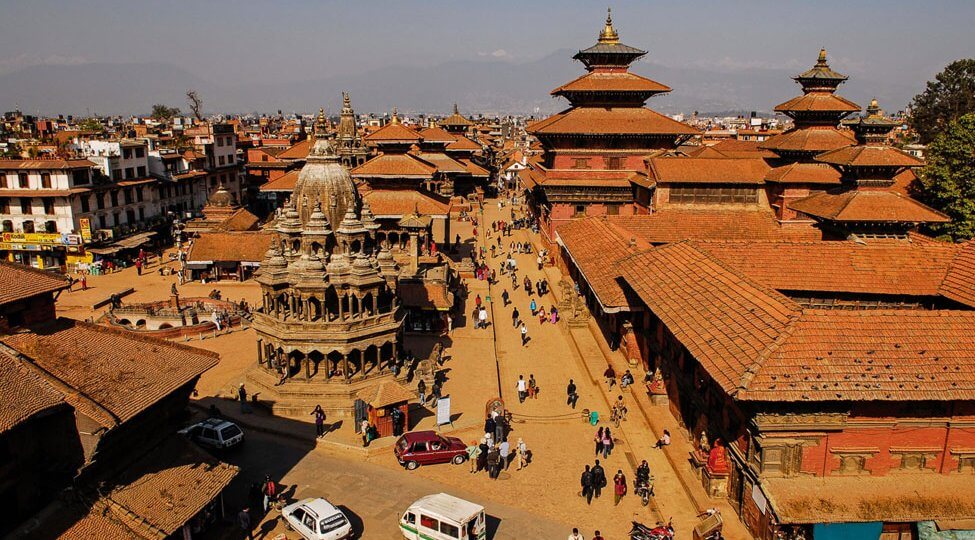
(285, 182)
(385, 393)
(442, 162)
(813, 139)
(298, 150)
(237, 246)
(122, 372)
(866, 156)
(614, 81)
(873, 206)
(818, 102)
(618, 121)
(595, 246)
(25, 393)
(425, 295)
(804, 173)
(44, 164)
(689, 170)
(395, 165)
(21, 282)
(437, 135)
(463, 144)
(169, 485)
(959, 283)
(388, 202)
(473, 169)
(393, 133)
(241, 220)
(675, 224)
(733, 148)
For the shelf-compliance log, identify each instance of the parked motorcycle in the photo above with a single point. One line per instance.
(660, 532)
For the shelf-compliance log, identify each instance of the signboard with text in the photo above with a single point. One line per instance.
(41, 239)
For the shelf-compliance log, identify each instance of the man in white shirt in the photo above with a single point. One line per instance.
(575, 535)
(522, 389)
(482, 317)
(504, 449)
(524, 335)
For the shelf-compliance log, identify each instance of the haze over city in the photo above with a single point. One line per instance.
(112, 57)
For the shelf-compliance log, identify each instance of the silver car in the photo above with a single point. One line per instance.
(317, 519)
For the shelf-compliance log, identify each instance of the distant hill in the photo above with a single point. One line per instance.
(488, 87)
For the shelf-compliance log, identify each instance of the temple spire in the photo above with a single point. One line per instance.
(395, 118)
(609, 35)
(321, 124)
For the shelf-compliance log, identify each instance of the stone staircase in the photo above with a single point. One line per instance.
(298, 397)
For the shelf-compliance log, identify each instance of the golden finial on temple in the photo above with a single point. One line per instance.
(609, 35)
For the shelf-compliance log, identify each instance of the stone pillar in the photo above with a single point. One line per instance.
(260, 351)
(307, 362)
(341, 307)
(345, 366)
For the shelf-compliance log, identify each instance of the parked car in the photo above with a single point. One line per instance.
(216, 433)
(427, 448)
(317, 519)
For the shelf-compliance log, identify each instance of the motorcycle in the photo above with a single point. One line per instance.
(660, 532)
(643, 487)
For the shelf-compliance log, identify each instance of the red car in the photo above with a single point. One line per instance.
(427, 448)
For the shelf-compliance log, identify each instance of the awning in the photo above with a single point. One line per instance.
(135, 240)
(848, 531)
(109, 250)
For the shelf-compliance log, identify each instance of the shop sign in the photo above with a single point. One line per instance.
(50, 239)
(84, 226)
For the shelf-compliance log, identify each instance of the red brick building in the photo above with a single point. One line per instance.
(593, 152)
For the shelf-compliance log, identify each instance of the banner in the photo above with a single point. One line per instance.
(443, 410)
(84, 226)
(45, 239)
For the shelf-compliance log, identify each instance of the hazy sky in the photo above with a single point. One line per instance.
(231, 41)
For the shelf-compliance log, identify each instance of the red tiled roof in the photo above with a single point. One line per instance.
(20, 282)
(759, 345)
(298, 150)
(385, 394)
(230, 246)
(675, 224)
(393, 133)
(25, 393)
(473, 169)
(611, 82)
(734, 148)
(44, 164)
(437, 135)
(463, 143)
(425, 295)
(400, 202)
(818, 102)
(168, 486)
(117, 374)
(395, 165)
(442, 162)
(873, 206)
(814, 139)
(839, 266)
(804, 173)
(286, 182)
(41, 193)
(616, 121)
(241, 220)
(867, 156)
(689, 170)
(959, 282)
(595, 245)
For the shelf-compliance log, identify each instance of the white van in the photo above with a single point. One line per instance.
(443, 517)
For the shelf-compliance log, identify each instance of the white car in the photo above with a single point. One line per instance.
(215, 433)
(317, 519)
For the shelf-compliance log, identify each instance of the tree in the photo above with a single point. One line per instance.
(948, 178)
(196, 103)
(162, 113)
(949, 96)
(91, 124)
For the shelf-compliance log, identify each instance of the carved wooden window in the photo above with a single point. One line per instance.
(614, 163)
(581, 163)
(612, 209)
(713, 195)
(580, 210)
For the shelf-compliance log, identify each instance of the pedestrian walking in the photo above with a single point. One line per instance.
(482, 452)
(364, 428)
(533, 307)
(244, 522)
(576, 535)
(242, 397)
(598, 536)
(610, 376)
(598, 479)
(571, 396)
(587, 484)
(522, 386)
(532, 387)
(538, 261)
(505, 297)
(477, 300)
(607, 443)
(490, 425)
(473, 453)
(515, 316)
(84, 282)
(435, 393)
(619, 487)
(482, 317)
(598, 439)
(270, 491)
(522, 450)
(524, 335)
(138, 267)
(500, 428)
(319, 415)
(421, 391)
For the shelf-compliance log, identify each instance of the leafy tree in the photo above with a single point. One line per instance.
(949, 96)
(948, 178)
(91, 124)
(12, 151)
(162, 113)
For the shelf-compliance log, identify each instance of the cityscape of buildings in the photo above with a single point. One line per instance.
(756, 305)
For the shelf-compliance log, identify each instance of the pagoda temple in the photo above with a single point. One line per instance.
(864, 205)
(593, 152)
(817, 114)
(352, 152)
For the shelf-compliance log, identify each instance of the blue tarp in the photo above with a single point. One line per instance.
(847, 531)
